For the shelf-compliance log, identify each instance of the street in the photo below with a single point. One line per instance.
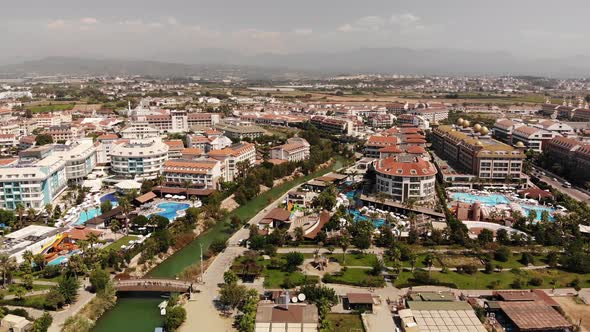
(558, 185)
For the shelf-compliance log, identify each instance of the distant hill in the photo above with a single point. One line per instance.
(222, 63)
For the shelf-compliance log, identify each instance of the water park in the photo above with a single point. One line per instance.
(492, 204)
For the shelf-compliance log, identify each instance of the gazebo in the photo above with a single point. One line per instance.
(127, 186)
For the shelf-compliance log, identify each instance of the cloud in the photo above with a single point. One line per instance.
(88, 20)
(365, 23)
(303, 32)
(404, 19)
(377, 23)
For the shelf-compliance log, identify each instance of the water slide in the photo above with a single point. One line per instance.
(55, 243)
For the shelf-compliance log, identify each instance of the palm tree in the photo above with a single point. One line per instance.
(344, 243)
(49, 209)
(20, 211)
(412, 258)
(28, 256)
(429, 261)
(32, 215)
(187, 185)
(126, 208)
(7, 265)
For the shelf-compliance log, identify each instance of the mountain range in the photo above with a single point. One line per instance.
(220, 62)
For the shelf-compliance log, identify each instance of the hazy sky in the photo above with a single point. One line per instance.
(158, 28)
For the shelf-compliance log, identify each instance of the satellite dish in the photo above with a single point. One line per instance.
(294, 299)
(301, 297)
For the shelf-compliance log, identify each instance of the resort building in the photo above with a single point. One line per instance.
(175, 148)
(106, 143)
(432, 114)
(375, 143)
(240, 131)
(8, 141)
(32, 185)
(296, 149)
(478, 154)
(406, 177)
(203, 173)
(203, 119)
(531, 138)
(333, 125)
(139, 130)
(64, 133)
(232, 156)
(139, 158)
(80, 157)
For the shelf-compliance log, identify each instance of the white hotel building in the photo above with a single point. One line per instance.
(141, 159)
(296, 149)
(80, 159)
(33, 185)
(406, 177)
(203, 173)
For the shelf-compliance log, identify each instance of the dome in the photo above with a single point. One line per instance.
(484, 130)
(466, 124)
(460, 121)
(477, 127)
(479, 143)
(519, 145)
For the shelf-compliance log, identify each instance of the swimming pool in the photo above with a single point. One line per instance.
(489, 200)
(87, 215)
(539, 210)
(171, 209)
(61, 259)
(95, 212)
(357, 216)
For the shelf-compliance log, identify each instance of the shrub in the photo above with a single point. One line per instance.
(175, 316)
(536, 281)
(468, 268)
(502, 254)
(99, 279)
(293, 260)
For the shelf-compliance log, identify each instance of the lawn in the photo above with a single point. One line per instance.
(355, 277)
(502, 280)
(276, 278)
(35, 301)
(355, 259)
(120, 242)
(50, 108)
(346, 322)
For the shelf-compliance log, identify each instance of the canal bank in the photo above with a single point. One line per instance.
(136, 308)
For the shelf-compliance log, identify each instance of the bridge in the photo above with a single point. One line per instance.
(154, 285)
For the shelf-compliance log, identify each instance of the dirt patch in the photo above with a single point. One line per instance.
(575, 311)
(229, 204)
(451, 261)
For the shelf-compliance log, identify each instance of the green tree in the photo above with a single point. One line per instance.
(293, 260)
(232, 295)
(106, 206)
(27, 280)
(344, 243)
(68, 287)
(42, 323)
(43, 139)
(99, 280)
(174, 317)
(229, 277)
(18, 291)
(54, 299)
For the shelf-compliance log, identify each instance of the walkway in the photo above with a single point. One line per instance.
(153, 285)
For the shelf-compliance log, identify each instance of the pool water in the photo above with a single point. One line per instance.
(489, 200)
(538, 209)
(171, 209)
(95, 212)
(87, 215)
(357, 216)
(60, 259)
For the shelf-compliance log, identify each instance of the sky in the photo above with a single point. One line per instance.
(172, 29)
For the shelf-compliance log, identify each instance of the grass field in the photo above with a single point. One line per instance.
(50, 108)
(120, 242)
(355, 259)
(500, 280)
(35, 301)
(346, 322)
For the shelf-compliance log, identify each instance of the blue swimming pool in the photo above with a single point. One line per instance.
(171, 209)
(539, 210)
(357, 216)
(111, 197)
(61, 259)
(489, 200)
(87, 215)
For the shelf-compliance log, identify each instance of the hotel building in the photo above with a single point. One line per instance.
(478, 154)
(142, 159)
(296, 149)
(406, 176)
(203, 173)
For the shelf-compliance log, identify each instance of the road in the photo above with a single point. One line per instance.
(201, 311)
(572, 192)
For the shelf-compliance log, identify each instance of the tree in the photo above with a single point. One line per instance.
(527, 258)
(76, 265)
(377, 267)
(20, 211)
(174, 317)
(68, 288)
(293, 260)
(39, 261)
(298, 233)
(232, 295)
(99, 279)
(43, 139)
(27, 280)
(502, 254)
(429, 261)
(42, 323)
(115, 226)
(344, 243)
(54, 299)
(218, 245)
(485, 236)
(7, 265)
(18, 291)
(229, 277)
(502, 236)
(106, 206)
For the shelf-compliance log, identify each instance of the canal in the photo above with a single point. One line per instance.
(138, 312)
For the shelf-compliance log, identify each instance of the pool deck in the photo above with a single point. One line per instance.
(390, 204)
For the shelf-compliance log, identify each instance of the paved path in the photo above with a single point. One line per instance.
(36, 282)
(60, 317)
(38, 292)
